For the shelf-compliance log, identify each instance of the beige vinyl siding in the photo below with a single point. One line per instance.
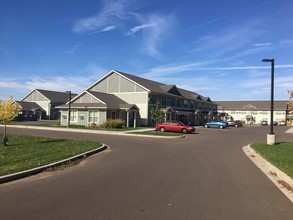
(35, 96)
(141, 101)
(115, 83)
(86, 98)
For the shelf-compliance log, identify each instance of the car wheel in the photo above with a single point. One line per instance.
(162, 129)
(236, 126)
(206, 126)
(183, 131)
(221, 126)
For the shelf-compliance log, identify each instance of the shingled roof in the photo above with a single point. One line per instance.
(109, 101)
(161, 88)
(54, 96)
(29, 106)
(256, 105)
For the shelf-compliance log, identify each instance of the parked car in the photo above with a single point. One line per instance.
(216, 124)
(282, 123)
(264, 123)
(275, 123)
(235, 123)
(175, 126)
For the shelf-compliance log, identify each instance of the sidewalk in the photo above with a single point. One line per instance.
(278, 177)
(290, 130)
(78, 129)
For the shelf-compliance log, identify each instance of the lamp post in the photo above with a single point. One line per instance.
(69, 105)
(271, 138)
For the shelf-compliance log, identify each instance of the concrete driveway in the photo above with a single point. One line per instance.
(202, 176)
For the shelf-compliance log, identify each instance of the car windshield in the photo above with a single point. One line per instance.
(180, 123)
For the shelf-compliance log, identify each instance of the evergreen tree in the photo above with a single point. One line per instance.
(157, 114)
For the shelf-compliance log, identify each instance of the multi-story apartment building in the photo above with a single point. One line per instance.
(254, 112)
(124, 96)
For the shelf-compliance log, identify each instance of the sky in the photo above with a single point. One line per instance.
(214, 48)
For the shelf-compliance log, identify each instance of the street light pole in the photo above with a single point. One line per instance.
(69, 103)
(271, 138)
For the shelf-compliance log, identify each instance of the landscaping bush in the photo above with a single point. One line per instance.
(117, 123)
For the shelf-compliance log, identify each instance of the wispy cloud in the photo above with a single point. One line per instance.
(230, 39)
(120, 14)
(109, 28)
(286, 42)
(105, 20)
(156, 34)
(139, 27)
(72, 50)
(261, 44)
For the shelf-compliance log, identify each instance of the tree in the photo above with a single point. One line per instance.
(290, 102)
(8, 111)
(157, 114)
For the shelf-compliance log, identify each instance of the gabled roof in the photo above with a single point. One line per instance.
(252, 105)
(29, 106)
(157, 87)
(111, 101)
(53, 96)
(107, 101)
(56, 96)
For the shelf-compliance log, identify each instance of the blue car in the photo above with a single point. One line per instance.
(216, 124)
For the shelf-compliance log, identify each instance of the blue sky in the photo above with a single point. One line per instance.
(214, 48)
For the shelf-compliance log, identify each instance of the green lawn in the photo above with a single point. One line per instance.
(280, 155)
(153, 133)
(27, 152)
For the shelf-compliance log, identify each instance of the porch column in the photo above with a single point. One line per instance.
(127, 118)
(134, 122)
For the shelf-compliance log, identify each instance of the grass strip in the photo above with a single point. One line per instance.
(153, 133)
(280, 155)
(27, 152)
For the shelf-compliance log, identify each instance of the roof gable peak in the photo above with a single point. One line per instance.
(249, 106)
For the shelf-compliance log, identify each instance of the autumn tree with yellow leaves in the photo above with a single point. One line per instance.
(8, 111)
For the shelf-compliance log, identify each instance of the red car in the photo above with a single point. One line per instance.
(174, 126)
(235, 123)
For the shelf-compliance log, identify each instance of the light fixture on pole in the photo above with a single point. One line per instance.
(69, 105)
(271, 138)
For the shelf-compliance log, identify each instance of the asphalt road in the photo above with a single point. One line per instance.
(203, 176)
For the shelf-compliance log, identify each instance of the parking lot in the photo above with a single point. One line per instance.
(203, 176)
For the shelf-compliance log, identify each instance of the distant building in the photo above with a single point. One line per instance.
(29, 111)
(41, 104)
(253, 112)
(124, 96)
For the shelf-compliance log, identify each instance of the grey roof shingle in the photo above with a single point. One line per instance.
(55, 96)
(29, 106)
(111, 102)
(161, 88)
(257, 105)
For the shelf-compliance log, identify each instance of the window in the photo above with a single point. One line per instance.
(172, 102)
(73, 116)
(185, 103)
(164, 102)
(153, 99)
(93, 117)
(113, 115)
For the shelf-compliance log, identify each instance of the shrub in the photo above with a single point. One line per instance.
(117, 123)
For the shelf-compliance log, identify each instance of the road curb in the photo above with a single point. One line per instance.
(26, 173)
(122, 133)
(273, 173)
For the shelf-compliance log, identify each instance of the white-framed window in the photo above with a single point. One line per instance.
(93, 117)
(73, 116)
